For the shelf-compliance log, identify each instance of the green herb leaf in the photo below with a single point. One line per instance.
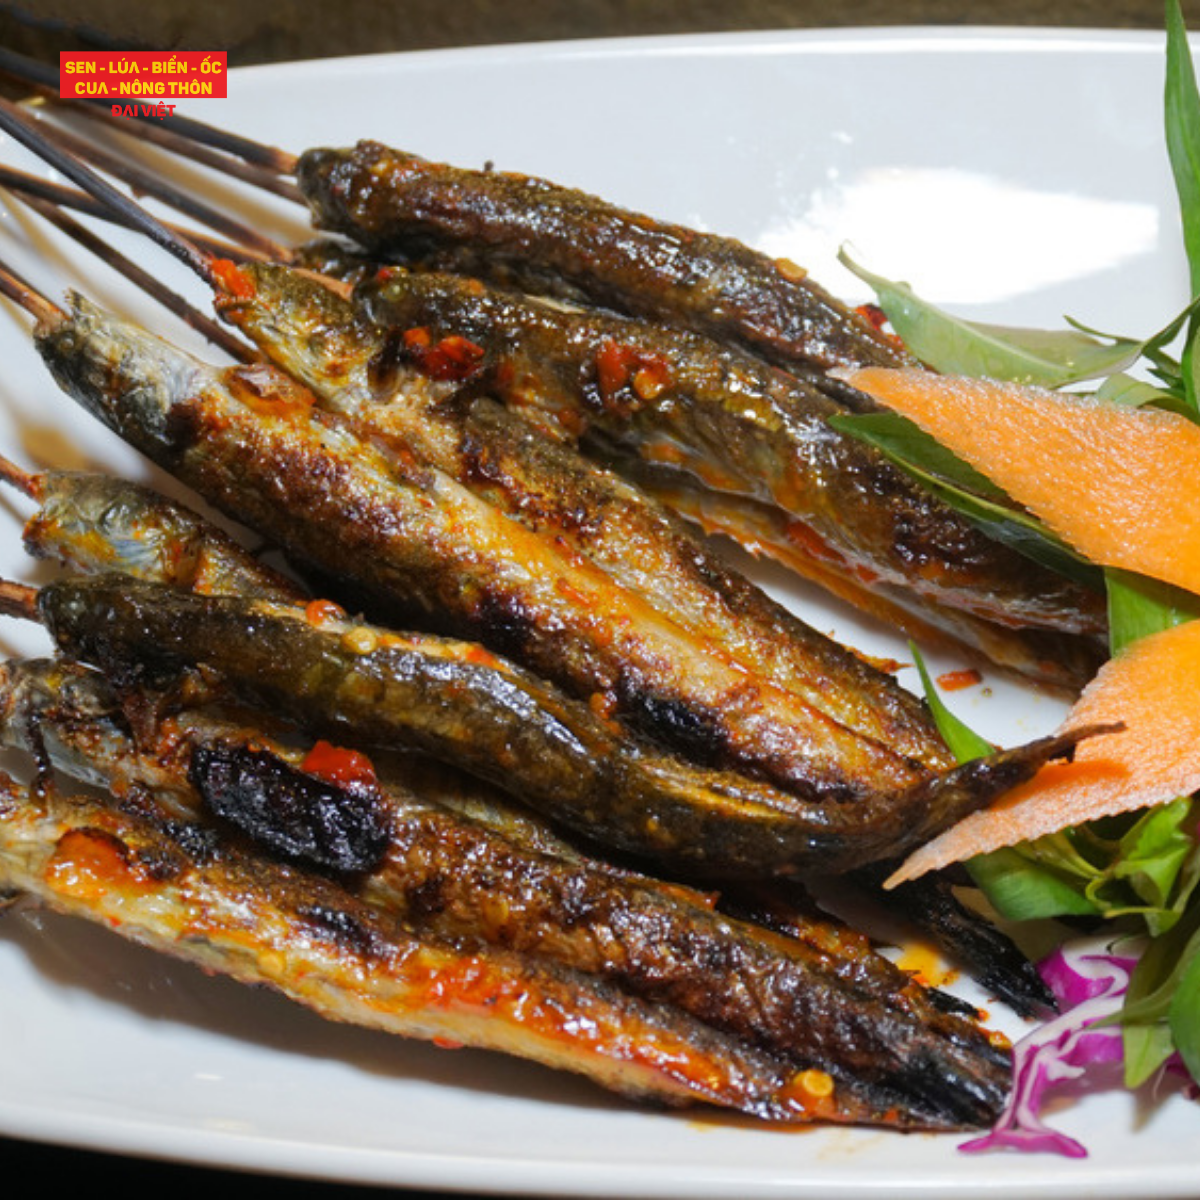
(908, 445)
(1145, 1034)
(1153, 853)
(954, 346)
(962, 488)
(1023, 888)
(1190, 371)
(1146, 1048)
(1182, 126)
(1183, 1017)
(965, 744)
(1138, 607)
(1134, 393)
(1159, 969)
(1162, 1005)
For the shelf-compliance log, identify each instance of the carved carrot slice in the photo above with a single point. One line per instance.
(1150, 688)
(1121, 485)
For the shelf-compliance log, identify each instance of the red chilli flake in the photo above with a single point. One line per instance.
(877, 319)
(613, 362)
(452, 358)
(618, 365)
(317, 612)
(955, 681)
(873, 315)
(339, 766)
(233, 278)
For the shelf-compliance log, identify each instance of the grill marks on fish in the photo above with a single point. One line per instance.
(261, 453)
(737, 426)
(688, 386)
(193, 895)
(822, 1000)
(294, 475)
(256, 780)
(367, 686)
(593, 515)
(543, 238)
(97, 523)
(1057, 660)
(334, 826)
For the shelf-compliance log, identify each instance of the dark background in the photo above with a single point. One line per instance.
(296, 29)
(291, 29)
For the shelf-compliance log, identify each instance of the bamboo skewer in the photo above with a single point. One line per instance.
(271, 158)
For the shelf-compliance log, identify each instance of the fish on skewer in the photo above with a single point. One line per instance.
(97, 523)
(966, 936)
(953, 581)
(369, 686)
(315, 335)
(559, 240)
(542, 238)
(1043, 656)
(247, 438)
(187, 891)
(88, 363)
(603, 641)
(738, 430)
(822, 1000)
(93, 522)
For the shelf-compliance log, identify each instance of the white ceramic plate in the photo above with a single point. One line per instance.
(1014, 176)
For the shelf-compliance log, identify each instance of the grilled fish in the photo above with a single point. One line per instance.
(555, 241)
(248, 440)
(183, 889)
(367, 686)
(95, 523)
(750, 432)
(98, 524)
(355, 369)
(1056, 660)
(822, 999)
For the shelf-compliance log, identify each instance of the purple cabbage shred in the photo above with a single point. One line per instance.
(1090, 986)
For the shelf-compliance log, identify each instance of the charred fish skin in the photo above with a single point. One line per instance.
(991, 958)
(738, 427)
(1061, 662)
(248, 441)
(328, 668)
(820, 1000)
(94, 522)
(318, 337)
(368, 687)
(558, 241)
(964, 937)
(751, 454)
(179, 888)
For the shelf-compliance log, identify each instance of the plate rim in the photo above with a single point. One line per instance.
(182, 1145)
